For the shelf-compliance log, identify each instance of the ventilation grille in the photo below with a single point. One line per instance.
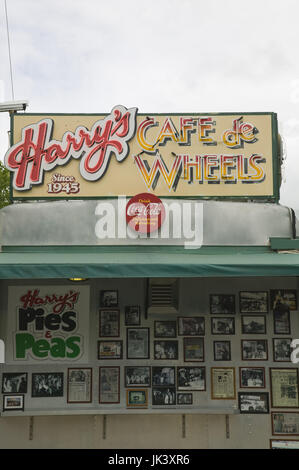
(163, 297)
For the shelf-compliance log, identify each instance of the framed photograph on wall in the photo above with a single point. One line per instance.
(166, 350)
(163, 376)
(109, 384)
(165, 329)
(137, 398)
(191, 378)
(109, 298)
(184, 399)
(253, 324)
(163, 396)
(14, 382)
(284, 387)
(194, 350)
(191, 326)
(285, 423)
(253, 402)
(282, 349)
(252, 377)
(222, 303)
(223, 383)
(138, 343)
(47, 384)
(282, 322)
(223, 325)
(79, 385)
(253, 302)
(13, 402)
(283, 297)
(254, 349)
(109, 323)
(284, 444)
(110, 349)
(137, 376)
(132, 315)
(222, 351)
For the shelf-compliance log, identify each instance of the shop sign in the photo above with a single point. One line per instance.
(48, 323)
(126, 153)
(145, 213)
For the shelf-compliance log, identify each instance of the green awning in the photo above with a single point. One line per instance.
(133, 262)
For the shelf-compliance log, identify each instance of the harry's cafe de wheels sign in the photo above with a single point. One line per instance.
(126, 153)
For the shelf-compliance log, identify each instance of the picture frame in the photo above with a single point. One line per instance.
(138, 346)
(254, 349)
(137, 376)
(282, 298)
(132, 315)
(108, 298)
(163, 376)
(191, 378)
(285, 423)
(109, 323)
(284, 444)
(166, 350)
(13, 402)
(137, 398)
(191, 326)
(112, 349)
(252, 377)
(194, 350)
(253, 402)
(79, 385)
(253, 302)
(253, 324)
(184, 398)
(282, 349)
(109, 384)
(165, 329)
(223, 383)
(14, 382)
(163, 396)
(47, 385)
(223, 325)
(222, 350)
(282, 321)
(284, 387)
(222, 304)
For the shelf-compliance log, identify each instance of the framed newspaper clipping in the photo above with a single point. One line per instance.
(285, 423)
(223, 383)
(284, 387)
(79, 385)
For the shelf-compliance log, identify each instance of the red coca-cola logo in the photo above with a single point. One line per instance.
(145, 213)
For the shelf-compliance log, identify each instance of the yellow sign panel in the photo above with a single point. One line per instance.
(126, 153)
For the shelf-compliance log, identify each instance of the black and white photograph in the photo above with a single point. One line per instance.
(222, 351)
(109, 298)
(132, 315)
(137, 376)
(223, 325)
(282, 349)
(194, 350)
(164, 396)
(184, 398)
(253, 302)
(109, 323)
(222, 303)
(165, 329)
(191, 326)
(254, 350)
(13, 402)
(138, 343)
(281, 319)
(252, 377)
(253, 324)
(163, 376)
(47, 384)
(166, 350)
(280, 299)
(254, 402)
(14, 382)
(191, 378)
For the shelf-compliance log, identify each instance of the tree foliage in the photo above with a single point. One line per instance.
(4, 186)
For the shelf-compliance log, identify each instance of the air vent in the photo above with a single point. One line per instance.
(163, 296)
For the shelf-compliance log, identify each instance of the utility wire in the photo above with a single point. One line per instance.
(9, 53)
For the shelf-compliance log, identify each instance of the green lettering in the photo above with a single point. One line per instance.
(75, 349)
(24, 341)
(41, 348)
(57, 347)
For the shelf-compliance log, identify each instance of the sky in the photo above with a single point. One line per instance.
(166, 56)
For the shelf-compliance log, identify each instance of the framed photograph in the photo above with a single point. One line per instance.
(252, 377)
(191, 378)
(137, 398)
(223, 383)
(47, 385)
(137, 376)
(280, 297)
(253, 302)
(282, 322)
(132, 315)
(13, 402)
(163, 376)
(284, 444)
(222, 351)
(191, 326)
(184, 399)
(284, 387)
(163, 396)
(109, 385)
(165, 329)
(109, 323)
(223, 325)
(138, 343)
(79, 385)
(194, 350)
(110, 349)
(166, 350)
(254, 349)
(14, 382)
(109, 298)
(222, 303)
(285, 423)
(253, 324)
(282, 349)
(254, 402)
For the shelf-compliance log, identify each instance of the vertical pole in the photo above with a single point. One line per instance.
(104, 427)
(227, 430)
(31, 424)
(184, 426)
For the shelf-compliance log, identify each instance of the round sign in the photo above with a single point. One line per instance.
(145, 213)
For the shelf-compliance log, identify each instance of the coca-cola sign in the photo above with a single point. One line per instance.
(145, 213)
